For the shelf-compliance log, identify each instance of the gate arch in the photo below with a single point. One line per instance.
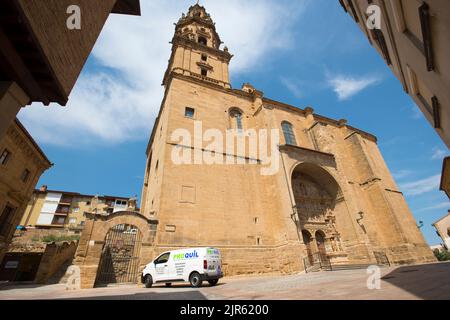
(99, 239)
(119, 261)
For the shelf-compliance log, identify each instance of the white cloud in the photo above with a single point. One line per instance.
(401, 174)
(421, 186)
(118, 101)
(442, 205)
(292, 87)
(438, 154)
(348, 86)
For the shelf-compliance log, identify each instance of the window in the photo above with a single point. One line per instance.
(202, 40)
(58, 220)
(436, 112)
(163, 258)
(427, 99)
(62, 209)
(204, 72)
(189, 112)
(121, 203)
(414, 21)
(149, 166)
(236, 114)
(75, 210)
(424, 13)
(6, 220)
(73, 220)
(288, 132)
(204, 57)
(5, 157)
(352, 8)
(377, 34)
(25, 175)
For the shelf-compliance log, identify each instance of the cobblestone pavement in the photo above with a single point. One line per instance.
(430, 281)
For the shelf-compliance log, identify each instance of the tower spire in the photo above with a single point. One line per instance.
(196, 49)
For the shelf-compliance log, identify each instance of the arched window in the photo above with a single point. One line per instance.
(236, 115)
(202, 40)
(288, 132)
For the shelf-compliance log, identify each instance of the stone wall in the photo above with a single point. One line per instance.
(55, 256)
(31, 236)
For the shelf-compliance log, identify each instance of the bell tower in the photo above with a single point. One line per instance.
(196, 49)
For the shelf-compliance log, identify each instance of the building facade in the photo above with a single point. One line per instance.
(44, 46)
(326, 192)
(443, 230)
(413, 38)
(52, 209)
(22, 163)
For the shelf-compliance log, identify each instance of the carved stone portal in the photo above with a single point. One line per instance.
(314, 205)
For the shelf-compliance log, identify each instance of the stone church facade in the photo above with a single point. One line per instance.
(331, 198)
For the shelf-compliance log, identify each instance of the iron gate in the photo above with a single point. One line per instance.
(119, 262)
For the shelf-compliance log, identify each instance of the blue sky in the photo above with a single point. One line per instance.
(305, 53)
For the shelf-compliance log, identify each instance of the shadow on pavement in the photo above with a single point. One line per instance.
(429, 282)
(187, 286)
(186, 295)
(20, 285)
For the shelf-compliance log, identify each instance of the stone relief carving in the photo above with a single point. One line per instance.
(315, 209)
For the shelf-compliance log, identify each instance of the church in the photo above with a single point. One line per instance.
(275, 187)
(331, 201)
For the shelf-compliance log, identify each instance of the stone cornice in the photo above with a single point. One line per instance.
(185, 42)
(25, 143)
(288, 147)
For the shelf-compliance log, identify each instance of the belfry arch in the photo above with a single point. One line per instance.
(317, 195)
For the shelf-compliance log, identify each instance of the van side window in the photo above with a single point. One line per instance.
(163, 259)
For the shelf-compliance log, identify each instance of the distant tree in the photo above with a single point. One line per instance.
(442, 255)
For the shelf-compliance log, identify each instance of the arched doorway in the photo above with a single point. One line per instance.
(320, 241)
(307, 241)
(316, 195)
(119, 262)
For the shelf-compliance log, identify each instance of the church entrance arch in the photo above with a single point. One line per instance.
(307, 239)
(316, 194)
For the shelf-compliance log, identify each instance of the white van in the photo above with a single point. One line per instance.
(188, 265)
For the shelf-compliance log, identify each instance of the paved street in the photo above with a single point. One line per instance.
(411, 282)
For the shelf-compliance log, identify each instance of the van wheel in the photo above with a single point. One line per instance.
(213, 282)
(195, 279)
(168, 284)
(148, 281)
